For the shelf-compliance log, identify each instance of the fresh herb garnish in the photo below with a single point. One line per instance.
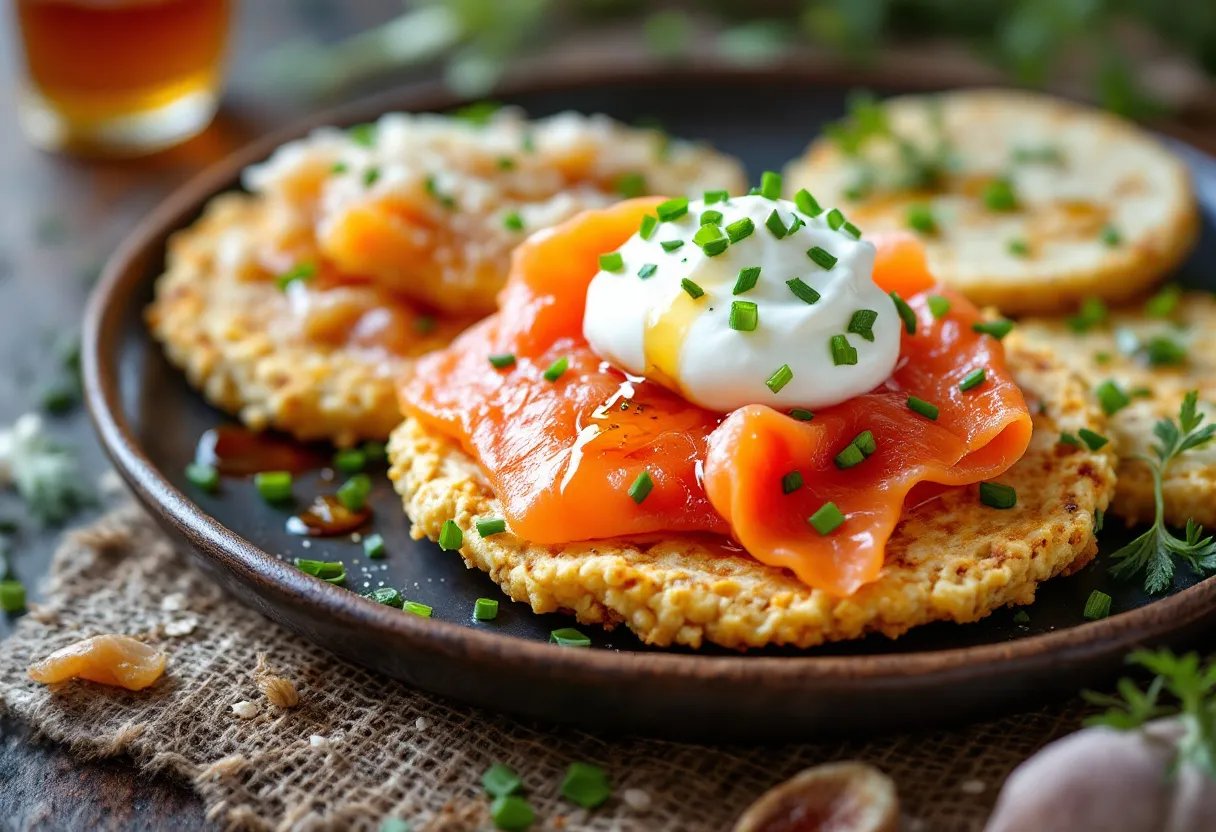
(451, 537)
(782, 376)
(586, 785)
(802, 291)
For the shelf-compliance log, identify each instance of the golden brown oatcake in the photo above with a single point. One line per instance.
(952, 559)
(308, 361)
(1074, 171)
(1117, 351)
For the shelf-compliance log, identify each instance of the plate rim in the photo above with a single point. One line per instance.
(123, 277)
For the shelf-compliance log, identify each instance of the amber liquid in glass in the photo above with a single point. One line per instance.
(120, 76)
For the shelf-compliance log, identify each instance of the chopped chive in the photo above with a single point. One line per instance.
(363, 134)
(672, 209)
(781, 377)
(1018, 247)
(843, 353)
(1099, 520)
(850, 456)
(998, 329)
(710, 218)
(905, 313)
(450, 536)
(1163, 304)
(586, 785)
(835, 219)
(648, 270)
(557, 369)
(1093, 441)
(801, 414)
(528, 145)
(500, 779)
(1111, 236)
(827, 519)
(354, 492)
(973, 379)
(373, 546)
(387, 596)
(1093, 312)
(795, 223)
(939, 307)
(747, 279)
(711, 240)
(770, 185)
(628, 185)
(491, 527)
(694, 291)
(862, 323)
(502, 361)
(807, 204)
(612, 261)
(998, 195)
(791, 482)
(569, 637)
(370, 176)
(920, 218)
(202, 476)
(744, 316)
(1111, 397)
(1097, 606)
(995, 495)
(374, 451)
(417, 608)
(924, 408)
(12, 596)
(333, 572)
(424, 324)
(512, 813)
(1162, 350)
(1103, 357)
(485, 609)
(506, 163)
(339, 167)
(350, 460)
(1021, 617)
(649, 223)
(852, 230)
(821, 257)
(775, 225)
(716, 196)
(671, 245)
(1067, 438)
(641, 488)
(513, 221)
(300, 271)
(802, 291)
(865, 441)
(739, 229)
(274, 486)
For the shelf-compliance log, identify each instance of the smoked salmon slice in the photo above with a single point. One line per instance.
(577, 450)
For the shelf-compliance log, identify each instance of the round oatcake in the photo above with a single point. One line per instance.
(953, 559)
(1095, 207)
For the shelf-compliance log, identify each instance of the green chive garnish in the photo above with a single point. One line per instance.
(274, 486)
(1111, 397)
(852, 230)
(775, 225)
(865, 441)
(424, 324)
(744, 316)
(647, 270)
(1099, 520)
(1018, 247)
(491, 527)
(711, 240)
(450, 536)
(416, 608)
(557, 369)
(1097, 606)
(781, 377)
(373, 546)
(1021, 617)
(612, 262)
(641, 487)
(1093, 312)
(672, 209)
(710, 218)
(332, 571)
(821, 257)
(363, 134)
(370, 176)
(973, 379)
(513, 221)
(202, 476)
(716, 196)
(300, 271)
(827, 519)
(791, 482)
(924, 408)
(374, 451)
(354, 492)
(694, 291)
(628, 185)
(862, 323)
(350, 460)
(998, 195)
(649, 223)
(512, 813)
(502, 361)
(569, 637)
(746, 280)
(485, 609)
(586, 785)
(998, 329)
(939, 307)
(1067, 438)
(500, 779)
(995, 495)
(802, 291)
(807, 204)
(905, 313)
(1163, 304)
(1093, 440)
(1111, 236)
(770, 185)
(836, 219)
(801, 414)
(339, 167)
(387, 596)
(795, 223)
(920, 218)
(12, 596)
(671, 245)
(506, 163)
(843, 353)
(1164, 350)
(739, 229)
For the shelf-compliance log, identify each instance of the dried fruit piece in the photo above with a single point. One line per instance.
(841, 797)
(106, 659)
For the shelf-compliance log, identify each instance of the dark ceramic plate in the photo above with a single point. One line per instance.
(150, 421)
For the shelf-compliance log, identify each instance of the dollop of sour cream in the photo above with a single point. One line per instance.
(685, 307)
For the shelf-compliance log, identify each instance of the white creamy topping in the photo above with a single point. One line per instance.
(653, 327)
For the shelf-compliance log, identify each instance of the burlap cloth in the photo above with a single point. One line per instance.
(383, 750)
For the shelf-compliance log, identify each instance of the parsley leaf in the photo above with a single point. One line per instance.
(1154, 552)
